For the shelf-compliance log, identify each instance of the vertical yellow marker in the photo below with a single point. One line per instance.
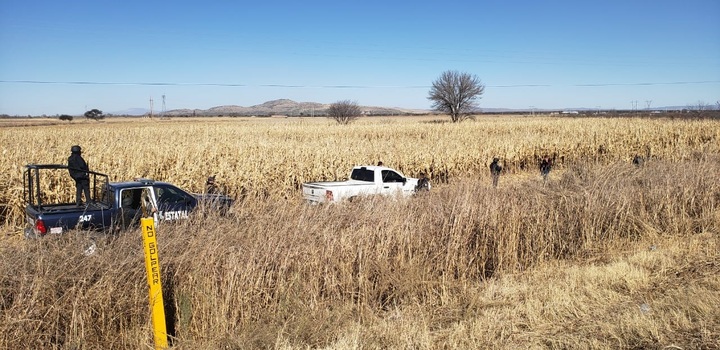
(152, 265)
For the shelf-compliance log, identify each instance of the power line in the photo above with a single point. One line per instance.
(47, 82)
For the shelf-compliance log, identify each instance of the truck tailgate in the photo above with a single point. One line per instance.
(59, 218)
(314, 192)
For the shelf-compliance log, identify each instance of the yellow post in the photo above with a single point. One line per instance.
(152, 265)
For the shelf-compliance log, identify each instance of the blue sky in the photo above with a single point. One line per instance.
(545, 54)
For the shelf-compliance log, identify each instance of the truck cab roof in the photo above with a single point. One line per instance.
(373, 167)
(138, 183)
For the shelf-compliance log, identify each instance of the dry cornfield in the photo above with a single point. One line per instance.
(604, 255)
(271, 157)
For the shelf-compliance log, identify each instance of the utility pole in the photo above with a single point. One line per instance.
(647, 103)
(163, 106)
(532, 110)
(151, 107)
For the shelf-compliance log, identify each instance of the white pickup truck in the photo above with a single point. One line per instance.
(365, 180)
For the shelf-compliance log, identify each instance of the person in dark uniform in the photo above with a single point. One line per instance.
(423, 184)
(545, 166)
(495, 170)
(210, 186)
(78, 169)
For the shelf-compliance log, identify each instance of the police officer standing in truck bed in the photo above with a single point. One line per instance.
(78, 169)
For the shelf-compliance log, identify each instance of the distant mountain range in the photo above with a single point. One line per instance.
(287, 107)
(276, 107)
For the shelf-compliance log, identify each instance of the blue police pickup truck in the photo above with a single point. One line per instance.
(114, 206)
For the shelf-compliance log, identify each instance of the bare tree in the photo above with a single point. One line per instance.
(455, 93)
(701, 106)
(344, 111)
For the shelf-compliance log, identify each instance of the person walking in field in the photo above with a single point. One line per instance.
(423, 185)
(545, 166)
(78, 169)
(495, 170)
(210, 186)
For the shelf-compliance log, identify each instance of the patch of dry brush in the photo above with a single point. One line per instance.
(602, 256)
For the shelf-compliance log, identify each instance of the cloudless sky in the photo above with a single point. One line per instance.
(64, 57)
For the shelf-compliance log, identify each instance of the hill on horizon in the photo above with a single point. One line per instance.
(285, 107)
(289, 107)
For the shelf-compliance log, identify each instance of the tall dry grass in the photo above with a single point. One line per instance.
(603, 256)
